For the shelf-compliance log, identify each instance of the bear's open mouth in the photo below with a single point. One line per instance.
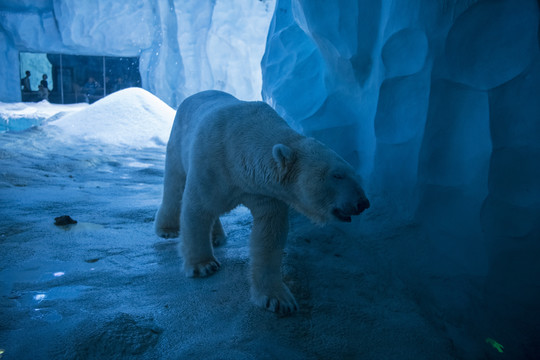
(341, 215)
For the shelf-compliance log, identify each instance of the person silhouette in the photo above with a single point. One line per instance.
(119, 85)
(90, 89)
(25, 82)
(91, 86)
(44, 88)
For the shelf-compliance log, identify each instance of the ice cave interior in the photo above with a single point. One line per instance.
(435, 103)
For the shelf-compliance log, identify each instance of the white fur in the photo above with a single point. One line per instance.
(223, 152)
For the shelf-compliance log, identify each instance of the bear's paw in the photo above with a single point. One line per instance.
(168, 233)
(202, 269)
(277, 299)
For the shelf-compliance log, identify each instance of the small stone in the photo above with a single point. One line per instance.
(64, 220)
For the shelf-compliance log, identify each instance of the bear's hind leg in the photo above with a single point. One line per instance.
(167, 222)
(197, 251)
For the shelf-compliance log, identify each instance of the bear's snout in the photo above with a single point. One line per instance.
(356, 209)
(362, 205)
(345, 212)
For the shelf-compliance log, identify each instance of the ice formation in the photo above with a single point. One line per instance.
(184, 46)
(436, 103)
(20, 116)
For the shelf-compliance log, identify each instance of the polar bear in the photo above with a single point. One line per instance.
(223, 152)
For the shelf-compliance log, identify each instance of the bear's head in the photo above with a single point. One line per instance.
(319, 183)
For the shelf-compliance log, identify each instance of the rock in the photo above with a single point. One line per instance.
(64, 220)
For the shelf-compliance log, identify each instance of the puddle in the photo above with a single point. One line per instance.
(37, 301)
(38, 273)
(48, 315)
(36, 298)
(137, 164)
(96, 184)
(60, 292)
(82, 226)
(34, 273)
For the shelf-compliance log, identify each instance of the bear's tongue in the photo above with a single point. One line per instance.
(341, 216)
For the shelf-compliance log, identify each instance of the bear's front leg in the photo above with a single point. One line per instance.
(197, 251)
(268, 236)
(218, 234)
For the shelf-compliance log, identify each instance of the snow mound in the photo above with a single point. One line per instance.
(132, 117)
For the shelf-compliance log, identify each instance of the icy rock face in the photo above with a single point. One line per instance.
(496, 53)
(78, 27)
(436, 104)
(313, 69)
(8, 55)
(184, 46)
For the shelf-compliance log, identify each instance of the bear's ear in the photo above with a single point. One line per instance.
(283, 156)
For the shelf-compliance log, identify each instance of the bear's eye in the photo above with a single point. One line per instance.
(338, 176)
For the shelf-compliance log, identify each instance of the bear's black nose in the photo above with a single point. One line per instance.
(362, 205)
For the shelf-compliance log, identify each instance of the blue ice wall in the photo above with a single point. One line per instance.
(437, 104)
(183, 46)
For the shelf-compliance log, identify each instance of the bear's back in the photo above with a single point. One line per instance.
(216, 130)
(197, 107)
(218, 113)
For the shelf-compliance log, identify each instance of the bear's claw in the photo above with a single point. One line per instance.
(282, 302)
(277, 306)
(202, 269)
(168, 233)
